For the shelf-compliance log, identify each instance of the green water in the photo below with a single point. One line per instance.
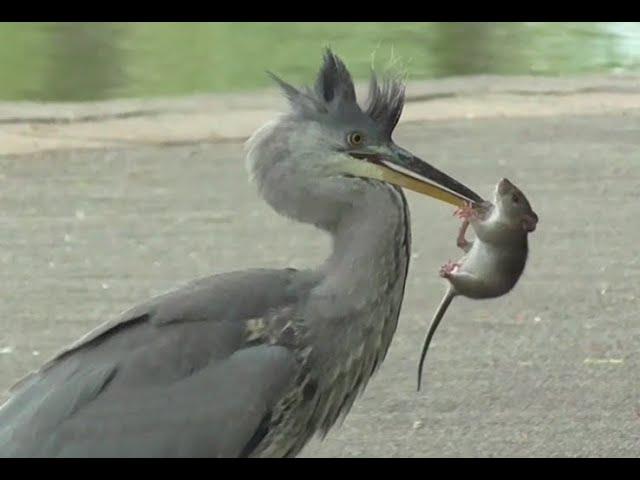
(91, 61)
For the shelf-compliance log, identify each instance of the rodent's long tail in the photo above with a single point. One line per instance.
(442, 308)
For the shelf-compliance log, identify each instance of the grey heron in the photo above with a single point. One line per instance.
(254, 363)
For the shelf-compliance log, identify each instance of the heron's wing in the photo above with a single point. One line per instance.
(220, 298)
(173, 377)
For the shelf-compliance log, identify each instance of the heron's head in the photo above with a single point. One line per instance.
(327, 138)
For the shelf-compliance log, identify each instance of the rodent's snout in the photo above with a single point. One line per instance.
(530, 222)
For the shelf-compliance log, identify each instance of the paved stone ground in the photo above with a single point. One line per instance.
(549, 370)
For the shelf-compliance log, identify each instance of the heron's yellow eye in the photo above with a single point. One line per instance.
(355, 139)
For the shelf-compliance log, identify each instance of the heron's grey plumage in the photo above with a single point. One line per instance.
(248, 363)
(177, 363)
(385, 102)
(334, 95)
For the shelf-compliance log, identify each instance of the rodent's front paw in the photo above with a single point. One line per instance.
(468, 212)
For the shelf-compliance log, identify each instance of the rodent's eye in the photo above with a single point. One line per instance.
(515, 198)
(355, 139)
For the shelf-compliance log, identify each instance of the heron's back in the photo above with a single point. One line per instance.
(177, 376)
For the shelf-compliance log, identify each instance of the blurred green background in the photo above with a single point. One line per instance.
(91, 61)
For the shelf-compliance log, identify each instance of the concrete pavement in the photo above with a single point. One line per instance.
(549, 370)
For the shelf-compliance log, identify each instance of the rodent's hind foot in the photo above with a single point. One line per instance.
(448, 269)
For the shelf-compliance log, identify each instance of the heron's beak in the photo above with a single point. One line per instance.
(400, 167)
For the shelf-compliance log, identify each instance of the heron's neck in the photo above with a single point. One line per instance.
(354, 310)
(370, 249)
